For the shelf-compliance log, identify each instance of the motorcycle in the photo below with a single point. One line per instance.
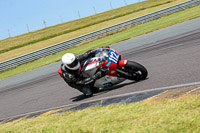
(119, 70)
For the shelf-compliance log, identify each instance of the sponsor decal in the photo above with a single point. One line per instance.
(112, 72)
(108, 64)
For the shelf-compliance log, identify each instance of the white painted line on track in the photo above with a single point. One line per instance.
(104, 98)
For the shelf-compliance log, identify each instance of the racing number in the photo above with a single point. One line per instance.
(114, 57)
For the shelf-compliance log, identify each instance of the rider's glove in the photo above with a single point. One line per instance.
(69, 77)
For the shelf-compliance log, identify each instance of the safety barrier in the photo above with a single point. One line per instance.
(94, 35)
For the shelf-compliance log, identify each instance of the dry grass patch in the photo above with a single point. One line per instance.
(120, 36)
(58, 33)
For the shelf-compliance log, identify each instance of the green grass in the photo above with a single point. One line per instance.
(126, 34)
(72, 26)
(171, 115)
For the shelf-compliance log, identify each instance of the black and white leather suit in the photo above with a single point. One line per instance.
(74, 78)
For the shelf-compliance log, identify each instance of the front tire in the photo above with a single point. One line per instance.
(135, 71)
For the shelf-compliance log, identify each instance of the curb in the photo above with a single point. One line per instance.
(145, 97)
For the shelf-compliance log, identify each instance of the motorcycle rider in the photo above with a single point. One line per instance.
(71, 71)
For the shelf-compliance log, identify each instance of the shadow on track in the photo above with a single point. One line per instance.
(102, 91)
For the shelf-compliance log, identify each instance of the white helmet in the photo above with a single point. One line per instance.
(70, 61)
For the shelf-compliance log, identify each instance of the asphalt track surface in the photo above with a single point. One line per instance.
(172, 61)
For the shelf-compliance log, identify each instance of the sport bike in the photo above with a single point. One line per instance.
(119, 70)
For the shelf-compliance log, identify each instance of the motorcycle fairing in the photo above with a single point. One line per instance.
(111, 62)
(108, 81)
(113, 56)
(122, 63)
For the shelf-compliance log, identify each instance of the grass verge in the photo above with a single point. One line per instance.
(169, 115)
(129, 33)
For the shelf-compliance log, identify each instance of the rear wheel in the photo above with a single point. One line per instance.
(135, 71)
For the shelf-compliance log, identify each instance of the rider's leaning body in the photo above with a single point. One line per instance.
(71, 71)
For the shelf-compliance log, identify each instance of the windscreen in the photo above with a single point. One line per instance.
(102, 54)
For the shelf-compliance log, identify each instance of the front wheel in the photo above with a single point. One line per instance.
(134, 71)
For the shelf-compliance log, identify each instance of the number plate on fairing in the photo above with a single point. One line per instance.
(113, 57)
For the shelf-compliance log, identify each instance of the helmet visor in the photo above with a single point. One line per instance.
(73, 64)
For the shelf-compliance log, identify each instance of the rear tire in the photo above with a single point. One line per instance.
(136, 71)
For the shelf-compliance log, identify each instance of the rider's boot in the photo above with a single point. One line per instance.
(87, 91)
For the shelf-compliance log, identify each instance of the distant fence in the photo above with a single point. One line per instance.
(93, 35)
